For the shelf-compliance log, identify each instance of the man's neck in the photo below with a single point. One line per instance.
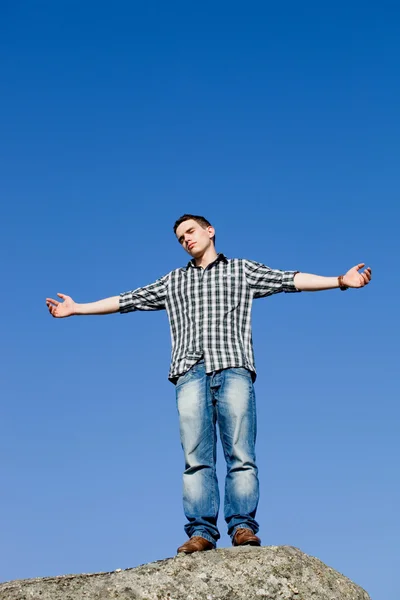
(208, 257)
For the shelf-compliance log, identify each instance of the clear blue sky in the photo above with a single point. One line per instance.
(279, 123)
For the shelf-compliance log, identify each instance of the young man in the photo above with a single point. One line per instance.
(209, 305)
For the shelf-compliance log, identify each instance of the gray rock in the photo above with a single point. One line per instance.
(247, 573)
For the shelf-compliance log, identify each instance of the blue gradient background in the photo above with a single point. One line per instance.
(281, 125)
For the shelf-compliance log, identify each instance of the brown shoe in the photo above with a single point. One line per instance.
(195, 544)
(245, 537)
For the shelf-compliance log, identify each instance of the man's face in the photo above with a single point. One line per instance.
(193, 238)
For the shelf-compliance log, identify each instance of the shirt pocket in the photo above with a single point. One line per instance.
(231, 293)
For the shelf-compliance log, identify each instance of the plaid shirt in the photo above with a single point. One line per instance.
(209, 310)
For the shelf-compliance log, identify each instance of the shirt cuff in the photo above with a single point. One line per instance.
(288, 281)
(125, 303)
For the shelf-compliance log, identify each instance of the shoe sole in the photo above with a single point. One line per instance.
(193, 551)
(247, 544)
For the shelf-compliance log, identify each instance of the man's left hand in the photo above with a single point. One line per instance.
(354, 279)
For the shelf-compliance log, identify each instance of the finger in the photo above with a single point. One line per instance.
(367, 279)
(54, 302)
(360, 266)
(63, 296)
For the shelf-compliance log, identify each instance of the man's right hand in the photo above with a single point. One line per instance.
(69, 307)
(61, 309)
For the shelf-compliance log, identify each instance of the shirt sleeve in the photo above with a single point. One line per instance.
(265, 281)
(149, 297)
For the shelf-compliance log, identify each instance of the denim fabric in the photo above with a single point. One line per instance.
(225, 397)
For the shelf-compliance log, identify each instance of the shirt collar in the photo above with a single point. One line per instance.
(220, 258)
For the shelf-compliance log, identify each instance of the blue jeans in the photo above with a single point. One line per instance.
(226, 397)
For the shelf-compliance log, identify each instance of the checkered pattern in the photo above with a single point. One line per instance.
(209, 310)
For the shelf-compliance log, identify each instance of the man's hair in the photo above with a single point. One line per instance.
(201, 220)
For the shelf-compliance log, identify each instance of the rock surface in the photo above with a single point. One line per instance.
(247, 573)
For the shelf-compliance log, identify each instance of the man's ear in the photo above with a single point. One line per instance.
(211, 231)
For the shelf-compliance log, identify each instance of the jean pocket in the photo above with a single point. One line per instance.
(186, 377)
(240, 372)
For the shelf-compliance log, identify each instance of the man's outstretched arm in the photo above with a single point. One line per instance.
(149, 297)
(306, 282)
(69, 308)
